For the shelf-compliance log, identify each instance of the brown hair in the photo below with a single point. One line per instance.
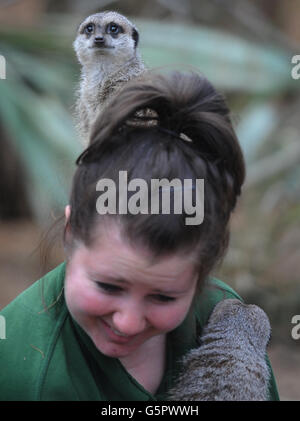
(189, 136)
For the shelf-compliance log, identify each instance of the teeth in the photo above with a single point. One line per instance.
(118, 333)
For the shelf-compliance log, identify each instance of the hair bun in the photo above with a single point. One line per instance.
(183, 103)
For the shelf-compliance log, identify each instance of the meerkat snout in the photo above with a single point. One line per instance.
(99, 41)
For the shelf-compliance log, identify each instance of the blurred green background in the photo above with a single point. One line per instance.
(245, 48)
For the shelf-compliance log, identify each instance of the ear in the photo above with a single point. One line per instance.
(67, 231)
(67, 213)
(135, 37)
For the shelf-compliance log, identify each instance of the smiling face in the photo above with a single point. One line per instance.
(122, 300)
(106, 34)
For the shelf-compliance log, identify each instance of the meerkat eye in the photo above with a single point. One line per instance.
(89, 28)
(113, 28)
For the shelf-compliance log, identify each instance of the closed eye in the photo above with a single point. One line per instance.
(163, 298)
(109, 287)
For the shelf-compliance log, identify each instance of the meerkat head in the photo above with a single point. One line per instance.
(245, 319)
(106, 35)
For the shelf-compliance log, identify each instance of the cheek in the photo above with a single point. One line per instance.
(167, 319)
(86, 300)
(124, 45)
(81, 49)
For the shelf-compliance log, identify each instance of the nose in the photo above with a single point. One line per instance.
(99, 40)
(129, 320)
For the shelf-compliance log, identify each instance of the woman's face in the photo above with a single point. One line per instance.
(120, 299)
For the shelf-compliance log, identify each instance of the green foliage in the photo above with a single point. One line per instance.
(35, 111)
(36, 98)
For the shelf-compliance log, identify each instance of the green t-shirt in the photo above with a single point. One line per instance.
(46, 356)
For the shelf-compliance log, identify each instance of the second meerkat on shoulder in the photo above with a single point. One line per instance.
(106, 47)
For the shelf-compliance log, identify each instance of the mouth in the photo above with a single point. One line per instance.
(101, 47)
(114, 335)
(118, 333)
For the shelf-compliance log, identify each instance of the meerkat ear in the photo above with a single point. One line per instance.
(135, 37)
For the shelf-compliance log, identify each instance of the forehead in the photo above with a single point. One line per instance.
(112, 255)
(103, 19)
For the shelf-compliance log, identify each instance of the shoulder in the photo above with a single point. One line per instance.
(38, 299)
(213, 291)
(31, 323)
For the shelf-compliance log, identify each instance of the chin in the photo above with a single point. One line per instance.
(115, 350)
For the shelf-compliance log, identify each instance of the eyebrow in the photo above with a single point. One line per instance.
(124, 281)
(108, 277)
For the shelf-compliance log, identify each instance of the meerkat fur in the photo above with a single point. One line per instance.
(106, 47)
(230, 363)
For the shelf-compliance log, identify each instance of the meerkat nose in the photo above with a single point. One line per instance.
(99, 40)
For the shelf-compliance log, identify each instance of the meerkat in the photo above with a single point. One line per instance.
(230, 363)
(106, 47)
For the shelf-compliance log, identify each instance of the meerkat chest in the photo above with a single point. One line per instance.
(98, 88)
(91, 95)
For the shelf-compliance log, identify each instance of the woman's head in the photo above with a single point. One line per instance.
(162, 127)
(123, 300)
(131, 278)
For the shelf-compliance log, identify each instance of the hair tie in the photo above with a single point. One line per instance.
(180, 136)
(83, 156)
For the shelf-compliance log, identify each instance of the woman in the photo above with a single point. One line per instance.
(113, 321)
